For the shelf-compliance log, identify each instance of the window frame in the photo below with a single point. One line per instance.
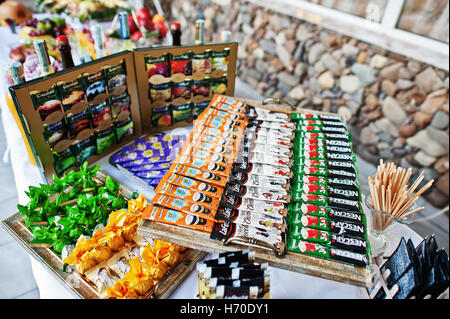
(384, 34)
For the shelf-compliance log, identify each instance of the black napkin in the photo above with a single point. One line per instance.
(399, 262)
(407, 284)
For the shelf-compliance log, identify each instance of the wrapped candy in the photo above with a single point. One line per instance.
(156, 267)
(102, 278)
(120, 263)
(129, 231)
(88, 252)
(127, 221)
(138, 278)
(171, 257)
(113, 240)
(31, 67)
(137, 205)
(117, 269)
(121, 290)
(94, 257)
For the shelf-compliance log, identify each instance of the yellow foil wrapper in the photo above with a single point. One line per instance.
(138, 278)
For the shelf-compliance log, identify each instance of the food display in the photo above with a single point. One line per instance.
(148, 158)
(95, 104)
(47, 28)
(143, 26)
(84, 9)
(233, 275)
(14, 11)
(72, 206)
(413, 272)
(92, 228)
(103, 105)
(181, 85)
(119, 263)
(220, 175)
(325, 215)
(283, 183)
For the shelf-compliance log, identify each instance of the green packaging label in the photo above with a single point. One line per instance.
(305, 170)
(119, 103)
(104, 139)
(311, 179)
(64, 159)
(310, 234)
(124, 129)
(219, 60)
(307, 248)
(354, 216)
(162, 116)
(84, 149)
(219, 86)
(310, 198)
(300, 116)
(182, 112)
(316, 222)
(318, 189)
(329, 239)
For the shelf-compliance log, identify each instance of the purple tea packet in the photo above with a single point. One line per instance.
(151, 160)
(142, 145)
(154, 182)
(149, 167)
(151, 174)
(138, 154)
(165, 138)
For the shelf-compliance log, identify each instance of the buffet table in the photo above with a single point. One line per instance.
(284, 284)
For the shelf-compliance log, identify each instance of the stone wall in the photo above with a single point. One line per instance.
(398, 108)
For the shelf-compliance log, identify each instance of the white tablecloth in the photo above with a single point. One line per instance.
(284, 284)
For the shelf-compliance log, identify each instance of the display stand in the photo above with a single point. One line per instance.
(328, 269)
(140, 110)
(378, 281)
(137, 87)
(77, 285)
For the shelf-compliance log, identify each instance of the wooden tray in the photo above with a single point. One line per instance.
(327, 269)
(75, 283)
(319, 267)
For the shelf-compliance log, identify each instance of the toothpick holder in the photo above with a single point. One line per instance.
(379, 221)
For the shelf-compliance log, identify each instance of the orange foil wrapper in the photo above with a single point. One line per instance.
(177, 218)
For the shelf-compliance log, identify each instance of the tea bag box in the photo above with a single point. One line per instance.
(137, 87)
